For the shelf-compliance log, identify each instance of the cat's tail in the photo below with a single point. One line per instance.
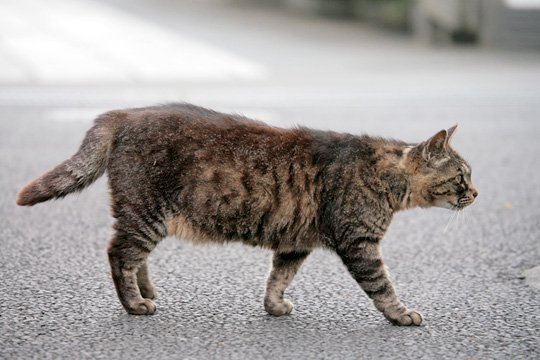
(76, 173)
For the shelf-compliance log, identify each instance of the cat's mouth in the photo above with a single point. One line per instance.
(461, 203)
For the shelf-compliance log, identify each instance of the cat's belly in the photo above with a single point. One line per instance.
(180, 227)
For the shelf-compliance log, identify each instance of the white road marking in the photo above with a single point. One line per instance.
(88, 114)
(74, 41)
(73, 114)
(532, 277)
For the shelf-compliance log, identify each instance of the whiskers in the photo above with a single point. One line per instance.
(455, 217)
(466, 220)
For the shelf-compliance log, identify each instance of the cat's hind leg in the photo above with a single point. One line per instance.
(128, 253)
(284, 267)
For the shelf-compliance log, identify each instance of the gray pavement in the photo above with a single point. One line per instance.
(58, 299)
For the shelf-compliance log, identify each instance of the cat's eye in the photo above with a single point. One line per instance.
(458, 179)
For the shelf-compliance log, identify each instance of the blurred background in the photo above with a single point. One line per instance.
(86, 55)
(397, 68)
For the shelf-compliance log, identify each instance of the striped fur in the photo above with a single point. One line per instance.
(210, 177)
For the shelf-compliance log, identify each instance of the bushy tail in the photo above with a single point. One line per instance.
(76, 173)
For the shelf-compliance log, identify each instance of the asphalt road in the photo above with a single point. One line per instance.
(57, 297)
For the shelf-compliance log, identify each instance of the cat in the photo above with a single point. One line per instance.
(201, 175)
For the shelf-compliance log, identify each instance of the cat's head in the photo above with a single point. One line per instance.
(441, 177)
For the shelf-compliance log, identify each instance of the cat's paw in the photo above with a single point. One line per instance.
(278, 308)
(409, 318)
(142, 307)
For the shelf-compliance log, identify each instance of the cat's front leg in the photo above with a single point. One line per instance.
(363, 259)
(284, 267)
(145, 284)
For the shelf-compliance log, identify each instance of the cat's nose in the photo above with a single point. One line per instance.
(475, 193)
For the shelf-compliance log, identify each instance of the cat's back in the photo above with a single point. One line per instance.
(174, 116)
(203, 135)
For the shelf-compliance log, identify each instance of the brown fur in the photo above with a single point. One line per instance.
(210, 177)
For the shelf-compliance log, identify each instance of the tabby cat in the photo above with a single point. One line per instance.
(205, 176)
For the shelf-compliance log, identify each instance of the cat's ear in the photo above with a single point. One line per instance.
(451, 133)
(435, 145)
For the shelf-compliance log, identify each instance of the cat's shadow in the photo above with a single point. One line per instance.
(258, 326)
